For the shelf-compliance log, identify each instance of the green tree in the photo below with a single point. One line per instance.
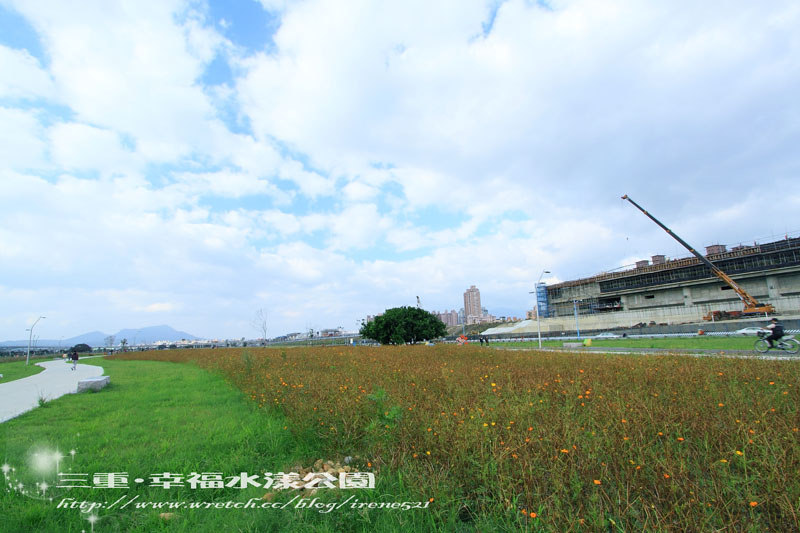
(81, 348)
(401, 325)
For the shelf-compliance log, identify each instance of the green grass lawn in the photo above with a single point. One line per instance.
(668, 343)
(158, 417)
(17, 370)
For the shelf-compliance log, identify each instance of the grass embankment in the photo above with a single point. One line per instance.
(12, 370)
(665, 343)
(546, 441)
(153, 418)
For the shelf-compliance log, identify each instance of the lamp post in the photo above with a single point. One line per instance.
(30, 338)
(535, 292)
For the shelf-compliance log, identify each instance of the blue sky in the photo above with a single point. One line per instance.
(245, 23)
(190, 162)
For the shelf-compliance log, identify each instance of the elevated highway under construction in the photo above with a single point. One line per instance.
(663, 291)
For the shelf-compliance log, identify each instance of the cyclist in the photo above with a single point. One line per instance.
(776, 332)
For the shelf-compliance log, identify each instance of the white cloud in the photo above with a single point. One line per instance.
(357, 191)
(131, 68)
(21, 145)
(310, 184)
(224, 184)
(584, 78)
(299, 263)
(357, 226)
(81, 146)
(252, 157)
(158, 307)
(21, 76)
(275, 5)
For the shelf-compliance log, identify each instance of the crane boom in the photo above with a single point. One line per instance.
(751, 305)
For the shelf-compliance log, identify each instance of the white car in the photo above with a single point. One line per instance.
(748, 331)
(607, 335)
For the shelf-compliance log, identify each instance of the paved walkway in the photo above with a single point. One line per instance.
(57, 379)
(772, 355)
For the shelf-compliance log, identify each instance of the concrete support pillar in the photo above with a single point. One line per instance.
(773, 287)
(687, 296)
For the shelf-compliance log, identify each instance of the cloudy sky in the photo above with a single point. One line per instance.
(190, 162)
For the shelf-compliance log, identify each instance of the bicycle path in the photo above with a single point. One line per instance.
(57, 379)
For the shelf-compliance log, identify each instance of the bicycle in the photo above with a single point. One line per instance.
(787, 343)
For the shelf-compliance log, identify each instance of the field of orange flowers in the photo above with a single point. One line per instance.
(545, 440)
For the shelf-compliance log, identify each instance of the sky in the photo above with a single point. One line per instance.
(191, 162)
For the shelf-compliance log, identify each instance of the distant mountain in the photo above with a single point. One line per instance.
(146, 335)
(152, 334)
(94, 338)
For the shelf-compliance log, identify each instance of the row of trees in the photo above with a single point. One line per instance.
(401, 325)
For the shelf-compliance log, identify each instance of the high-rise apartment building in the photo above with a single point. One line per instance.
(472, 305)
(450, 318)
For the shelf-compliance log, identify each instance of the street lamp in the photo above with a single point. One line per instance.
(30, 338)
(535, 292)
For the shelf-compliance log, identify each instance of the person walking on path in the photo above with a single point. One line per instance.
(74, 357)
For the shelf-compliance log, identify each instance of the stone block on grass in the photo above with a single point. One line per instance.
(95, 383)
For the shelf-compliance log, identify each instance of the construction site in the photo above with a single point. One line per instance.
(668, 292)
(683, 290)
(743, 283)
